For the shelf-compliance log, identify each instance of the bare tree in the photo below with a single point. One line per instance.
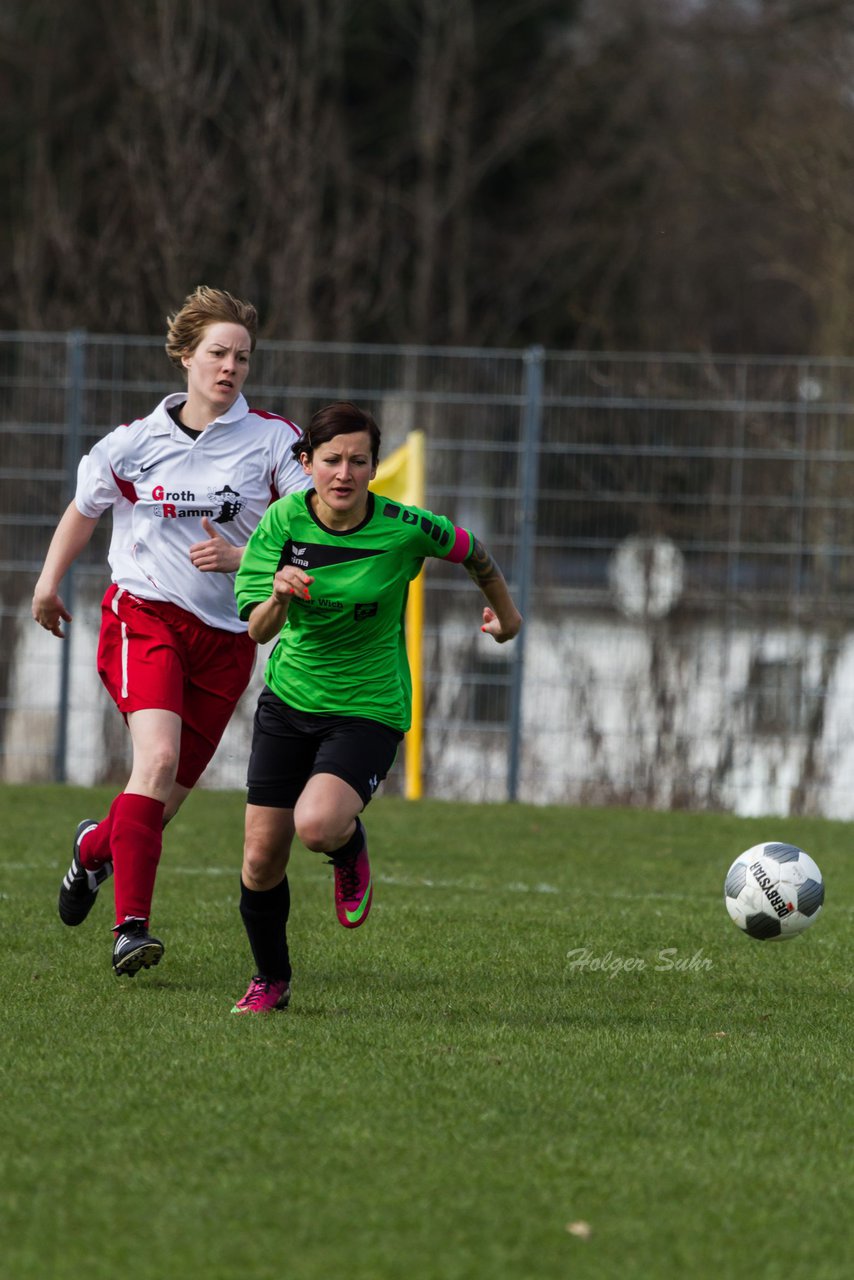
(647, 173)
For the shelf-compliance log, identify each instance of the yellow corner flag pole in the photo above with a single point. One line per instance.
(401, 476)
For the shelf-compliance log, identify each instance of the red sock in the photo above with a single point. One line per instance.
(136, 841)
(95, 845)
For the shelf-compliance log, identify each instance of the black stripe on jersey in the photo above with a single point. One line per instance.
(393, 511)
(319, 555)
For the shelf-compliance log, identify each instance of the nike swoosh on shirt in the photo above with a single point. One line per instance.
(148, 468)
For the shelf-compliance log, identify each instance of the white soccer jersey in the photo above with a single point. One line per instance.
(160, 482)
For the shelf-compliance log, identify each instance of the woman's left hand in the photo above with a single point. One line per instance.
(500, 631)
(216, 555)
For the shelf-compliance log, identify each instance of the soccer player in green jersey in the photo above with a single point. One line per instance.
(328, 571)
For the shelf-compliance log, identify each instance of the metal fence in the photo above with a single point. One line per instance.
(678, 531)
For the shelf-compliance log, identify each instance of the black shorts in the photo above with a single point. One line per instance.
(288, 746)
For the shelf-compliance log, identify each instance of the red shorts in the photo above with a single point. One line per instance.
(155, 655)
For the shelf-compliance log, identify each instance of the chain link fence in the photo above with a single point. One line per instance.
(678, 531)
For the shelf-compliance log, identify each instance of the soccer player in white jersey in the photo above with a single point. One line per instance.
(186, 486)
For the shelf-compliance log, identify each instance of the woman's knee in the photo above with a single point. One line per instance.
(157, 763)
(263, 869)
(320, 831)
(266, 847)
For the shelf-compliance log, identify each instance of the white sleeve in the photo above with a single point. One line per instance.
(288, 475)
(97, 490)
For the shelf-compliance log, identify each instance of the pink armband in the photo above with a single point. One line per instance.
(462, 546)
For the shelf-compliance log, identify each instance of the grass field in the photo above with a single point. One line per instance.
(501, 1054)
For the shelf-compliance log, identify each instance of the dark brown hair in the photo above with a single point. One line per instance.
(342, 418)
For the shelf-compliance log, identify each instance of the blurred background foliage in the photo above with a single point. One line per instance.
(623, 174)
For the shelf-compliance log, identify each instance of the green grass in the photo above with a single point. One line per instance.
(448, 1090)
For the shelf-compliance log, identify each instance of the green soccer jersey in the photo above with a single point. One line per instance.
(343, 651)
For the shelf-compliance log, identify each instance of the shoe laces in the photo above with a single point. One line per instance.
(258, 988)
(347, 879)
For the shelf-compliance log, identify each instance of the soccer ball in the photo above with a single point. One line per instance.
(774, 891)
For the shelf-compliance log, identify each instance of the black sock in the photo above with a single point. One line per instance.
(265, 918)
(354, 845)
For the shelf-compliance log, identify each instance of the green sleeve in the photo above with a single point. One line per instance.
(261, 559)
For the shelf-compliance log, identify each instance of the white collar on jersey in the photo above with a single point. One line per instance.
(160, 423)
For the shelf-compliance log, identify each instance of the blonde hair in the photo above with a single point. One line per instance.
(204, 307)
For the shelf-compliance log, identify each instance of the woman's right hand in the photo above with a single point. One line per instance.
(268, 618)
(71, 535)
(289, 582)
(49, 611)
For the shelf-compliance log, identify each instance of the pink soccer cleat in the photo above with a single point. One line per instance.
(353, 889)
(264, 996)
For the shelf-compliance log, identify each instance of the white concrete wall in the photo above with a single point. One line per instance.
(615, 712)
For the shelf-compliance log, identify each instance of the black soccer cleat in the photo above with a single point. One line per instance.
(79, 887)
(135, 949)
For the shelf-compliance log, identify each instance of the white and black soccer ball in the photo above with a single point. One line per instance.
(774, 891)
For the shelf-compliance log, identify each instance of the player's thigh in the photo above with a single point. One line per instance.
(325, 811)
(140, 659)
(156, 737)
(358, 752)
(214, 683)
(282, 756)
(353, 758)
